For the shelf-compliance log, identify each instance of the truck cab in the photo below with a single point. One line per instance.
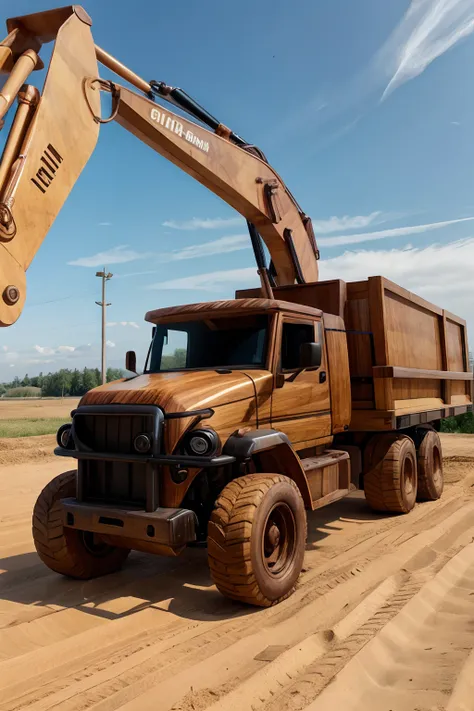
(229, 388)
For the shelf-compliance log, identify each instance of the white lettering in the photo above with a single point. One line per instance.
(175, 126)
(196, 141)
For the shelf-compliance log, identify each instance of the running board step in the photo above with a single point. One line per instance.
(329, 476)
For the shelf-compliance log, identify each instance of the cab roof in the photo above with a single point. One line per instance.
(230, 307)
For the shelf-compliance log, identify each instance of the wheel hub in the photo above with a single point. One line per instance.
(437, 467)
(272, 538)
(94, 544)
(279, 540)
(409, 477)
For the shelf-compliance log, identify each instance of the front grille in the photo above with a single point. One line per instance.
(121, 483)
(111, 433)
(111, 430)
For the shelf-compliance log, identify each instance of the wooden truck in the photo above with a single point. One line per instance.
(287, 398)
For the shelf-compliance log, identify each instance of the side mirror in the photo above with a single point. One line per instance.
(131, 361)
(311, 355)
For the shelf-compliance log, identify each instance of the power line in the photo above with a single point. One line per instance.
(54, 301)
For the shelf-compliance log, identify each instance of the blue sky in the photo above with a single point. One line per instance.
(366, 110)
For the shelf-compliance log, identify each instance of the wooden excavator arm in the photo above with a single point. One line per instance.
(54, 134)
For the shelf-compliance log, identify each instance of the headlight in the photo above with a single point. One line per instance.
(203, 443)
(142, 443)
(64, 438)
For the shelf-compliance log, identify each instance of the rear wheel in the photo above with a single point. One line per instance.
(430, 467)
(257, 538)
(390, 483)
(79, 554)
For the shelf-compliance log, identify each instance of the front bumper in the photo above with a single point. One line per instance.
(172, 528)
(179, 460)
(109, 468)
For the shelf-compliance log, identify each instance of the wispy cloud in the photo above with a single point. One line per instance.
(220, 280)
(117, 255)
(59, 350)
(206, 223)
(11, 355)
(44, 355)
(131, 324)
(384, 234)
(123, 254)
(440, 273)
(110, 344)
(105, 224)
(44, 350)
(223, 245)
(428, 29)
(346, 223)
(211, 281)
(455, 123)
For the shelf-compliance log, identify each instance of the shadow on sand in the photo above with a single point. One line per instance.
(179, 585)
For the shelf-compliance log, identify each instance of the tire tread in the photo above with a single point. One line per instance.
(56, 546)
(229, 534)
(382, 485)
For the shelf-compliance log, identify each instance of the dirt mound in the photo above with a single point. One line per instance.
(18, 450)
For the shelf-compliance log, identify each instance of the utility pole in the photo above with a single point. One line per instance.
(105, 277)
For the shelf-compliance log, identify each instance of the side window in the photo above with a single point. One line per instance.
(293, 335)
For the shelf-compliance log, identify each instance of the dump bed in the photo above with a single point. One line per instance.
(408, 359)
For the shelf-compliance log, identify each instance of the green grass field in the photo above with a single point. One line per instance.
(30, 427)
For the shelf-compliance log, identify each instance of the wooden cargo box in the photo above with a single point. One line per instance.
(409, 361)
(406, 356)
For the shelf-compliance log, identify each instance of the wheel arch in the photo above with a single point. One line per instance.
(271, 451)
(282, 459)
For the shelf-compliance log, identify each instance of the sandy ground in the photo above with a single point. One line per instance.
(383, 617)
(20, 450)
(25, 409)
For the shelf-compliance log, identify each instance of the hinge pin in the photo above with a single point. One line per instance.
(11, 295)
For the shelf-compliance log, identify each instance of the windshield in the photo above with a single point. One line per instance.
(238, 342)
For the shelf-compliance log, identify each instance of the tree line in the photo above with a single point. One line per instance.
(60, 384)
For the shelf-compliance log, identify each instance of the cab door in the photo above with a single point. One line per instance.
(300, 401)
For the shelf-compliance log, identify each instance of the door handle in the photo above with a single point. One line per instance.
(322, 376)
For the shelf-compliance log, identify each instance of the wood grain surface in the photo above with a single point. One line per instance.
(63, 121)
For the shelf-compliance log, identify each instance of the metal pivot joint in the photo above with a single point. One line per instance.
(11, 294)
(7, 223)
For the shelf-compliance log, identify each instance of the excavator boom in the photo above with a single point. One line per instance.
(53, 135)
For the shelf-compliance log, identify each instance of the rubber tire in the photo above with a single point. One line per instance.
(430, 487)
(384, 483)
(62, 549)
(235, 534)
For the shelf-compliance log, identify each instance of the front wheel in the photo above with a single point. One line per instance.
(257, 539)
(78, 554)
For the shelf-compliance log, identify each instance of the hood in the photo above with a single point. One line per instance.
(231, 395)
(175, 392)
